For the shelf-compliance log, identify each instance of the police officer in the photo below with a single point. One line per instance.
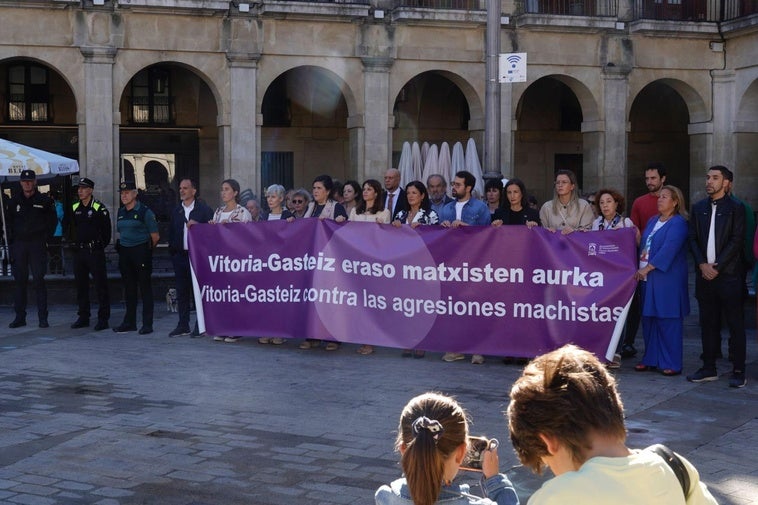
(31, 222)
(138, 234)
(91, 231)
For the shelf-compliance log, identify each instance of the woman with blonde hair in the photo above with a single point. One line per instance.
(433, 441)
(566, 212)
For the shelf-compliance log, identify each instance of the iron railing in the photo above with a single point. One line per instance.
(604, 8)
(694, 10)
(466, 5)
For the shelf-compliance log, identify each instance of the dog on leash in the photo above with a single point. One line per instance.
(171, 303)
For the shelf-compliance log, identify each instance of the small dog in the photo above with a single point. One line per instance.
(171, 303)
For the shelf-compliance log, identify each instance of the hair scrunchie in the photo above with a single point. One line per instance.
(431, 425)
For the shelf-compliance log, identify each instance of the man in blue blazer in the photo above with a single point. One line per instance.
(189, 211)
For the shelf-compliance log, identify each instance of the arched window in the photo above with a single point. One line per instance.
(28, 94)
(151, 100)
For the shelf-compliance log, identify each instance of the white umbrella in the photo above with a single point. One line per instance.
(416, 163)
(444, 163)
(424, 152)
(15, 158)
(458, 164)
(431, 165)
(473, 166)
(405, 165)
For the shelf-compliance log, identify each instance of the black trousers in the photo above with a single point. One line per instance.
(723, 295)
(184, 289)
(136, 267)
(633, 318)
(91, 262)
(26, 256)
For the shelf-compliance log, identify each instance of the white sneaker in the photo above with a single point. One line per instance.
(219, 338)
(264, 340)
(231, 340)
(452, 356)
(277, 341)
(477, 359)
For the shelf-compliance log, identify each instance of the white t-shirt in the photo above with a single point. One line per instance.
(642, 478)
(459, 209)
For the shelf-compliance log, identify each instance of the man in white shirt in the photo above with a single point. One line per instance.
(395, 199)
(189, 211)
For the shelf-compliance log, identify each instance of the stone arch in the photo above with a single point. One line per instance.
(327, 69)
(67, 79)
(661, 116)
(304, 131)
(474, 99)
(551, 113)
(213, 77)
(746, 144)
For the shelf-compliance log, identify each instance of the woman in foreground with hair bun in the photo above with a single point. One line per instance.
(433, 441)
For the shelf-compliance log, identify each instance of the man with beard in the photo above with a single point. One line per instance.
(437, 188)
(717, 234)
(643, 208)
(464, 211)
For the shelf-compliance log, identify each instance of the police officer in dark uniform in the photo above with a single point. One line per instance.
(91, 231)
(138, 235)
(31, 222)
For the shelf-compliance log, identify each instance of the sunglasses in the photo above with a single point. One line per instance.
(298, 201)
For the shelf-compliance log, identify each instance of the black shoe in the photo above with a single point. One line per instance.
(737, 380)
(101, 325)
(124, 328)
(179, 332)
(17, 323)
(145, 330)
(43, 323)
(704, 375)
(628, 351)
(80, 323)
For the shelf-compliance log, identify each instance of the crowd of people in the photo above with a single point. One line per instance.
(715, 234)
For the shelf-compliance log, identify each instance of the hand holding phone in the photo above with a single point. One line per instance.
(481, 456)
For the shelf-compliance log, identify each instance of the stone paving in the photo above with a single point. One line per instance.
(100, 418)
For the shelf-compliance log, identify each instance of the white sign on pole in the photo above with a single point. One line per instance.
(512, 67)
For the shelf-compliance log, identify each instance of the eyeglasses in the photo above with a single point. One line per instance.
(298, 201)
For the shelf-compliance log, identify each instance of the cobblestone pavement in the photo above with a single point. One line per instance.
(100, 418)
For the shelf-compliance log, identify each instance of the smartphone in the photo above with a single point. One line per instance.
(475, 453)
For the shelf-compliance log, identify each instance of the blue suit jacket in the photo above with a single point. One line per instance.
(665, 292)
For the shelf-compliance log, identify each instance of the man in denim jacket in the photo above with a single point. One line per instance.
(464, 211)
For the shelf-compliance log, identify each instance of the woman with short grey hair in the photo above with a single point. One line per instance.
(275, 200)
(300, 200)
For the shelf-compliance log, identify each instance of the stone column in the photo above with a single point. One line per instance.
(376, 132)
(507, 124)
(98, 156)
(240, 140)
(611, 167)
(723, 118)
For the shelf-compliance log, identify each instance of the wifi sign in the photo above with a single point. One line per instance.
(512, 67)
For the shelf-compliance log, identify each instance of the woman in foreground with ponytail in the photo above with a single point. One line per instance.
(433, 441)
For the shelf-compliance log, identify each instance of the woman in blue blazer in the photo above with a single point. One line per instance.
(663, 277)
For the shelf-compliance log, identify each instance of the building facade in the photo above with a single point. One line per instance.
(281, 91)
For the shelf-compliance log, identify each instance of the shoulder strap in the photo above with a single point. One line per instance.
(673, 461)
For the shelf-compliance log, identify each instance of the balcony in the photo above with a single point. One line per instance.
(591, 8)
(463, 5)
(694, 10)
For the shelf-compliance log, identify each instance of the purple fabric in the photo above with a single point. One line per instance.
(506, 291)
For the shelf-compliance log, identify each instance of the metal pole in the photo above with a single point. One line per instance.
(492, 93)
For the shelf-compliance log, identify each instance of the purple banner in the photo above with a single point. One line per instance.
(507, 291)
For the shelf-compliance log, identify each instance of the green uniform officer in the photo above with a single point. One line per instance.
(138, 234)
